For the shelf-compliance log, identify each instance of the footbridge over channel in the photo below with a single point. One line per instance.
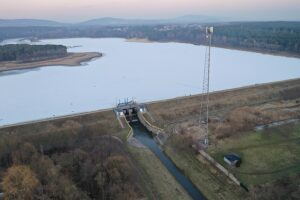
(129, 110)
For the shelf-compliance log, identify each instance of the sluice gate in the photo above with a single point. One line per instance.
(129, 110)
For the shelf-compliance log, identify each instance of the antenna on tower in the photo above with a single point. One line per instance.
(204, 111)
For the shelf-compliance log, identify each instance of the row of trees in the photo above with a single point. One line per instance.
(269, 36)
(256, 36)
(26, 52)
(71, 163)
(34, 176)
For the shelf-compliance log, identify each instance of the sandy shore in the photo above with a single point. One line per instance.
(72, 59)
(141, 40)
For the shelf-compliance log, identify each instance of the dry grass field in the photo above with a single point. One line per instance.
(272, 153)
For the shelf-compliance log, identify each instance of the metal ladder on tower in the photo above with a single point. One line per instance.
(204, 109)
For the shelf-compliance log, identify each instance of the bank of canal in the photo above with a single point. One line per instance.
(141, 133)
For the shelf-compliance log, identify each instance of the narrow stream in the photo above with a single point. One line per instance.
(141, 133)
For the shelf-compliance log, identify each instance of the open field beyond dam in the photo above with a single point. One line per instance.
(179, 118)
(270, 166)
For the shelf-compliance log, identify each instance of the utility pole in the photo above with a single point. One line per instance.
(204, 111)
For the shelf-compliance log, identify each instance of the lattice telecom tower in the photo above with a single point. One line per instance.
(205, 90)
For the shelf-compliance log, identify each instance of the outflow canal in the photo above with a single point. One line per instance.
(144, 136)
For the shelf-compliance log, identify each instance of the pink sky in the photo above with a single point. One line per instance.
(79, 10)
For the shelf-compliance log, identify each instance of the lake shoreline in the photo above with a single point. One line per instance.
(272, 53)
(130, 70)
(72, 59)
(146, 40)
(262, 86)
(266, 52)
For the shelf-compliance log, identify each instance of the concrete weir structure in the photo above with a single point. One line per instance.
(129, 110)
(133, 112)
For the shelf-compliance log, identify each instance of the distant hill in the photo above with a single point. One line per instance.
(195, 19)
(108, 21)
(28, 22)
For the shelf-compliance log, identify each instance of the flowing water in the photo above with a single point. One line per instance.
(145, 137)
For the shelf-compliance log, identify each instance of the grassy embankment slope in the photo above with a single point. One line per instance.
(268, 154)
(162, 184)
(234, 114)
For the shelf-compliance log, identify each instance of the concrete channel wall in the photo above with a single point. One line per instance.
(153, 129)
(130, 132)
(219, 167)
(159, 134)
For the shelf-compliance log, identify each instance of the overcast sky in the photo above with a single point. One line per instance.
(79, 10)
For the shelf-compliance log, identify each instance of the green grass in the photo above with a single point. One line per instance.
(160, 183)
(207, 179)
(267, 155)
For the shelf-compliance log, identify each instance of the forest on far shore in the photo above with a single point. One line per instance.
(281, 38)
